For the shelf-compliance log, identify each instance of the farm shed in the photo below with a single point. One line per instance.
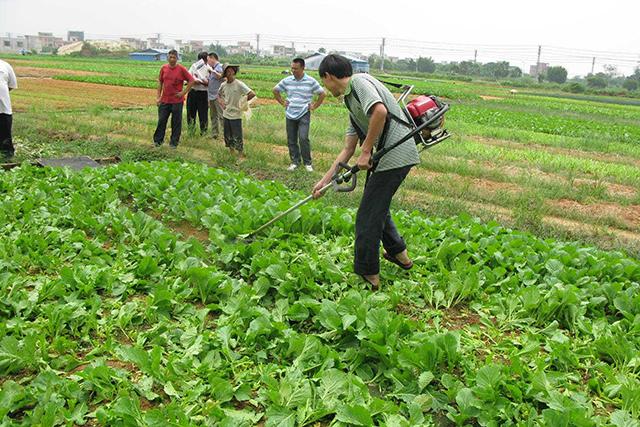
(151, 55)
(313, 62)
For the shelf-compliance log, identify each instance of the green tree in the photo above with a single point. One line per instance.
(630, 84)
(557, 74)
(515, 72)
(469, 68)
(426, 65)
(374, 61)
(496, 70)
(597, 81)
(322, 50)
(576, 87)
(88, 50)
(219, 49)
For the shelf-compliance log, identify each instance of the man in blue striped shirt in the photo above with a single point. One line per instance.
(300, 89)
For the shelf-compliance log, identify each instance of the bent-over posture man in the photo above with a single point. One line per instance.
(371, 106)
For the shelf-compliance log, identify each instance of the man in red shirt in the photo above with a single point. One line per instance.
(171, 98)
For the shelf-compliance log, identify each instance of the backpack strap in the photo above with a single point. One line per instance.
(361, 134)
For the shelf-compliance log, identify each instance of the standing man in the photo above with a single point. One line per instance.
(231, 93)
(215, 80)
(197, 101)
(170, 99)
(371, 109)
(8, 82)
(300, 89)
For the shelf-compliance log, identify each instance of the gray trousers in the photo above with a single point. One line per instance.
(215, 112)
(298, 132)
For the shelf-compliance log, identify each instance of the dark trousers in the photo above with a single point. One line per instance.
(164, 111)
(374, 223)
(198, 103)
(6, 143)
(298, 133)
(233, 134)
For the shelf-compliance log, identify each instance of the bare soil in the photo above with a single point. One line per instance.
(571, 152)
(51, 72)
(630, 215)
(50, 94)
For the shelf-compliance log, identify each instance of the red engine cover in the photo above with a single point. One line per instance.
(420, 106)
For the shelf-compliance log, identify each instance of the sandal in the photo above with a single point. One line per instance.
(373, 285)
(397, 262)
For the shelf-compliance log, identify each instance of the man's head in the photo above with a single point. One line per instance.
(230, 72)
(203, 56)
(213, 58)
(172, 57)
(297, 68)
(334, 70)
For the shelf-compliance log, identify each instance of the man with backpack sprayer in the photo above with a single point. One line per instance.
(372, 109)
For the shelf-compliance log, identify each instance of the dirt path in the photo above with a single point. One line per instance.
(614, 189)
(629, 238)
(51, 72)
(571, 152)
(48, 94)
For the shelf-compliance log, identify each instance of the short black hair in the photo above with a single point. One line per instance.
(172, 52)
(215, 55)
(299, 61)
(336, 65)
(203, 56)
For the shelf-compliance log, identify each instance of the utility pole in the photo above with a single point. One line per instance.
(382, 54)
(538, 62)
(593, 64)
(258, 44)
(475, 56)
(293, 47)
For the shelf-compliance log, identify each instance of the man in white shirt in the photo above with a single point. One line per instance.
(197, 100)
(8, 82)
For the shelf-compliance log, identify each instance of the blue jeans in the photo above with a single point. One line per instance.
(298, 132)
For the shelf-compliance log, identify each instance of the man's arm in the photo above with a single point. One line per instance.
(159, 94)
(278, 96)
(251, 95)
(187, 89)
(319, 101)
(190, 82)
(350, 143)
(13, 81)
(376, 126)
(216, 74)
(221, 97)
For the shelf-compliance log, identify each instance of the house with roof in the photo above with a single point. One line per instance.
(151, 55)
(313, 62)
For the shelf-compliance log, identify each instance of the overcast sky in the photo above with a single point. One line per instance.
(454, 29)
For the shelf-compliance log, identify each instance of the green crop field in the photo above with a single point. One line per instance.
(127, 299)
